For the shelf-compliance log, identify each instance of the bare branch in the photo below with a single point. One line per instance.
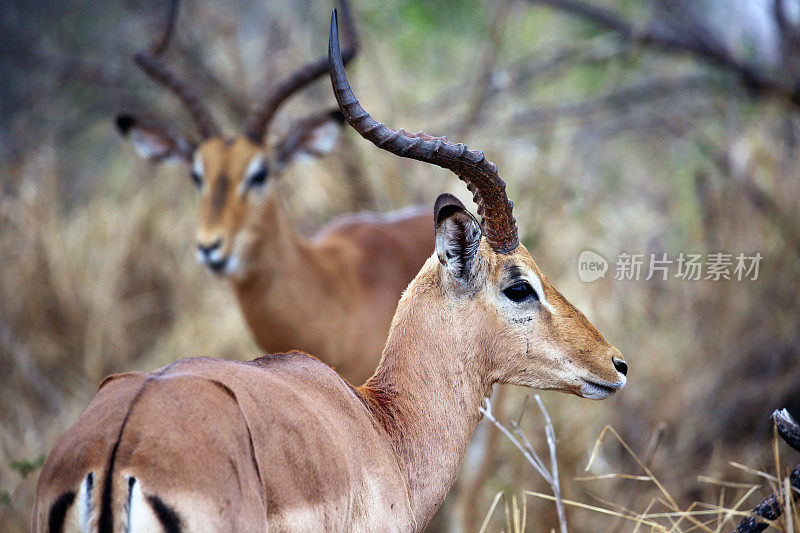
(533, 67)
(772, 507)
(788, 428)
(602, 16)
(540, 65)
(523, 444)
(476, 485)
(621, 98)
(769, 509)
(551, 444)
(483, 84)
(532, 458)
(691, 37)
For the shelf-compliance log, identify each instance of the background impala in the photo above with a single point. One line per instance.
(332, 295)
(607, 143)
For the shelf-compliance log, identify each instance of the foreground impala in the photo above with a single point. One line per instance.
(284, 443)
(334, 295)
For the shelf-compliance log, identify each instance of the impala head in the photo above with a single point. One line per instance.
(542, 340)
(530, 333)
(233, 174)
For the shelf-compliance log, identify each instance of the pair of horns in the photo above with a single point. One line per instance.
(471, 166)
(258, 123)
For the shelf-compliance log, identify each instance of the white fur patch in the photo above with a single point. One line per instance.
(197, 166)
(323, 139)
(256, 163)
(215, 255)
(593, 392)
(601, 390)
(140, 517)
(232, 265)
(84, 506)
(147, 146)
(536, 283)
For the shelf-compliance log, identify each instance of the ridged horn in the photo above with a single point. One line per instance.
(471, 166)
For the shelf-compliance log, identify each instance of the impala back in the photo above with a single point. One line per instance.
(212, 445)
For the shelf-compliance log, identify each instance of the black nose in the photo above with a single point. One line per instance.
(620, 365)
(206, 249)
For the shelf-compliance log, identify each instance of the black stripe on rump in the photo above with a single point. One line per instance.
(166, 515)
(58, 512)
(106, 511)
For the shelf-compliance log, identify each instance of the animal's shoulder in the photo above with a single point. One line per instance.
(351, 225)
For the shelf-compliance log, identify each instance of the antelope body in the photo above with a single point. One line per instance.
(251, 456)
(284, 443)
(332, 295)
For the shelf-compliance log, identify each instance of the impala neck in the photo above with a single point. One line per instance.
(426, 392)
(281, 266)
(274, 249)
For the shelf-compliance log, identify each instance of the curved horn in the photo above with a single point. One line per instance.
(149, 60)
(471, 166)
(258, 123)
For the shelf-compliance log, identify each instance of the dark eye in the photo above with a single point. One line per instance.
(257, 178)
(197, 178)
(520, 291)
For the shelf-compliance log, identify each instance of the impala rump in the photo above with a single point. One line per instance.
(198, 446)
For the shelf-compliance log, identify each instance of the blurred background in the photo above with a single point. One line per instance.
(657, 126)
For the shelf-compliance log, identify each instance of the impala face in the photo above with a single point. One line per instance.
(231, 173)
(234, 177)
(556, 346)
(542, 340)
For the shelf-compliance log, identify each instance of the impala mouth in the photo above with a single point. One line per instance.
(218, 266)
(215, 261)
(596, 390)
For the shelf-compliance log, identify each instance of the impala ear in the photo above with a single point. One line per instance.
(458, 235)
(153, 140)
(312, 137)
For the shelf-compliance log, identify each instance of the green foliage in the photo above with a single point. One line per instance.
(5, 497)
(26, 466)
(429, 33)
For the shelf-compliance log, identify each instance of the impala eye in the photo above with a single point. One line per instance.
(197, 178)
(257, 178)
(520, 291)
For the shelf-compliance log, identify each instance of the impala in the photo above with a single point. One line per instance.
(284, 443)
(333, 295)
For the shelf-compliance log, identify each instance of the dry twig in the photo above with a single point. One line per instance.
(779, 502)
(520, 440)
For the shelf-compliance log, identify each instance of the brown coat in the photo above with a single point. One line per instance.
(283, 443)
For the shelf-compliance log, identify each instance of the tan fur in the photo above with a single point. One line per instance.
(284, 443)
(333, 295)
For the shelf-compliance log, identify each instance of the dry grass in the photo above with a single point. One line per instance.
(662, 512)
